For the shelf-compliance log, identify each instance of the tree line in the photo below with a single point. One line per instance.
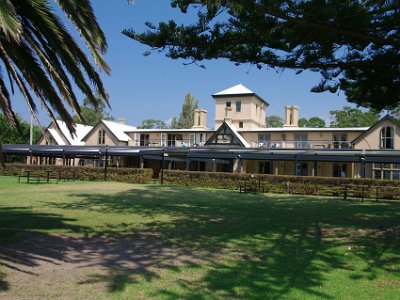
(345, 117)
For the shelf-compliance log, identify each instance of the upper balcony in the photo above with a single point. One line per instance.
(166, 143)
(298, 144)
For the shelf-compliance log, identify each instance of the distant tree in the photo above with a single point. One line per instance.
(354, 45)
(303, 122)
(273, 121)
(186, 118)
(152, 124)
(92, 114)
(353, 117)
(19, 134)
(314, 122)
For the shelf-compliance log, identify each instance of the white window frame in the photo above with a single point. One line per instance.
(163, 139)
(192, 139)
(101, 136)
(384, 137)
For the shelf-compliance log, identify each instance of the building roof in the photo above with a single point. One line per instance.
(239, 136)
(227, 129)
(368, 156)
(238, 90)
(376, 124)
(235, 90)
(76, 139)
(119, 130)
(172, 130)
(56, 136)
(302, 129)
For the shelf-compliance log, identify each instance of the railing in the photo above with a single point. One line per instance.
(270, 144)
(166, 143)
(297, 144)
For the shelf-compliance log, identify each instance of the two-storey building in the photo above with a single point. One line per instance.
(240, 142)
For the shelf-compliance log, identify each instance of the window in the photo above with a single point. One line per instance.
(264, 167)
(201, 138)
(238, 106)
(173, 138)
(102, 137)
(264, 140)
(240, 124)
(302, 169)
(386, 171)
(301, 140)
(340, 141)
(163, 139)
(339, 170)
(228, 103)
(192, 139)
(387, 137)
(144, 139)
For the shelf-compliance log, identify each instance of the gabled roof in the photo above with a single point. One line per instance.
(117, 129)
(374, 126)
(56, 136)
(80, 131)
(238, 90)
(233, 138)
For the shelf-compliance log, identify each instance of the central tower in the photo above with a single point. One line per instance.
(240, 107)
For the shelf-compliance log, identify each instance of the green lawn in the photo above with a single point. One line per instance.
(170, 242)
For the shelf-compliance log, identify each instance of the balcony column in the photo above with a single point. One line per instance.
(214, 165)
(141, 162)
(296, 167)
(362, 167)
(314, 169)
(187, 168)
(238, 165)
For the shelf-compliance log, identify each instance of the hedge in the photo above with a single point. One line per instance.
(302, 185)
(129, 175)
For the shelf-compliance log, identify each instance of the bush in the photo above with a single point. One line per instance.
(302, 185)
(129, 175)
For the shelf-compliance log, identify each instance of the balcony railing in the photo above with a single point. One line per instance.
(166, 143)
(296, 144)
(270, 144)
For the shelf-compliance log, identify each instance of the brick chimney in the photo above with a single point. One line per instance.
(291, 116)
(121, 120)
(200, 118)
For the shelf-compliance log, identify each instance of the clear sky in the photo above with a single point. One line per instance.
(143, 87)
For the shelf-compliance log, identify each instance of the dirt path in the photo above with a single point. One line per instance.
(43, 266)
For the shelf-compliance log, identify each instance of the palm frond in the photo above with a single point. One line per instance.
(9, 23)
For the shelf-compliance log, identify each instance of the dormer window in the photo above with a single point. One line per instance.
(238, 106)
(102, 136)
(387, 137)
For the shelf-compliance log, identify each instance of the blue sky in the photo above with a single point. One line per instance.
(143, 87)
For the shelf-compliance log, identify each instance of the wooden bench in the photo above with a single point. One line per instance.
(35, 175)
(250, 186)
(385, 192)
(62, 175)
(354, 191)
(23, 174)
(367, 191)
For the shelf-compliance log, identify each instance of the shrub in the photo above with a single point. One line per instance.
(302, 185)
(129, 175)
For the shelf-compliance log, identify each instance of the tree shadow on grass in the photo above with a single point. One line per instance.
(17, 252)
(255, 246)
